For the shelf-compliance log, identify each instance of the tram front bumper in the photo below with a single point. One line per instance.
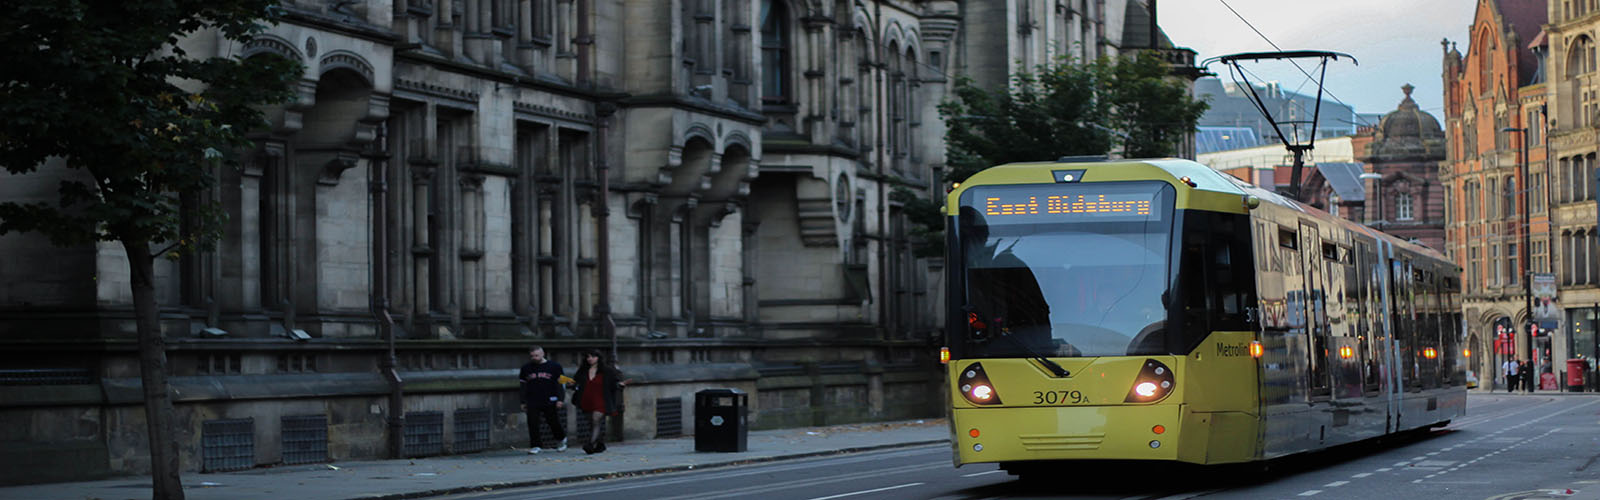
(1142, 432)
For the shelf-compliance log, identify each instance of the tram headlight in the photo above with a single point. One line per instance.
(1155, 382)
(974, 385)
(983, 392)
(1145, 389)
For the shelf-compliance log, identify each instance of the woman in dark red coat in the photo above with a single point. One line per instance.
(599, 394)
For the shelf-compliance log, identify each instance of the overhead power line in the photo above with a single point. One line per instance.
(1291, 61)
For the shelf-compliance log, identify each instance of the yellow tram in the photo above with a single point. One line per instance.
(1157, 310)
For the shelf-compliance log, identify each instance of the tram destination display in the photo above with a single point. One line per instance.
(1055, 203)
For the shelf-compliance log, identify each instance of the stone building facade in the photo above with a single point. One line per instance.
(1572, 115)
(1499, 221)
(699, 187)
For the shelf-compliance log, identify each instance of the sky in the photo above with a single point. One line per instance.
(1395, 42)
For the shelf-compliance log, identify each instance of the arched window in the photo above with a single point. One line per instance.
(774, 52)
(1588, 176)
(1580, 56)
(1402, 206)
(1580, 257)
(1575, 190)
(897, 88)
(912, 121)
(864, 109)
(1568, 253)
(1592, 251)
(1485, 60)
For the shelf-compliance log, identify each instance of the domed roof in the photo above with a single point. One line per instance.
(1409, 120)
(1408, 132)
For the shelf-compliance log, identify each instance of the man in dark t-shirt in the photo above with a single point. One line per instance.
(542, 398)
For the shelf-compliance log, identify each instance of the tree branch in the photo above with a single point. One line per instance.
(164, 251)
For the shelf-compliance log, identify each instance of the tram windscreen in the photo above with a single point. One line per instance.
(1065, 270)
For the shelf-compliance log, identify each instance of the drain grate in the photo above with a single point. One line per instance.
(424, 433)
(472, 430)
(669, 417)
(228, 444)
(305, 439)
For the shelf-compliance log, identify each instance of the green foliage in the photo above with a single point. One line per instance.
(1153, 110)
(105, 88)
(927, 222)
(1041, 116)
(1058, 109)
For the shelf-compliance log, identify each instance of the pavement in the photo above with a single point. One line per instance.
(498, 469)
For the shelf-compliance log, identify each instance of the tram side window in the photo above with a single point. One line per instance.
(1217, 275)
(1429, 334)
(1451, 352)
(1367, 319)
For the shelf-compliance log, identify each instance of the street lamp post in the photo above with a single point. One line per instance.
(1527, 227)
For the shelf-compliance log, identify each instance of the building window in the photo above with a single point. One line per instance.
(1402, 206)
(1449, 206)
(774, 52)
(1508, 207)
(1589, 183)
(1474, 274)
(1469, 201)
(1496, 265)
(1333, 205)
(1580, 58)
(1511, 264)
(1532, 125)
(1536, 255)
(1536, 191)
(1491, 199)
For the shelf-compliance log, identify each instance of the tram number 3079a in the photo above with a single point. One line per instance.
(1059, 397)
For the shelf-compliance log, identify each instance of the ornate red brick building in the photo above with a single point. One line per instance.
(1495, 173)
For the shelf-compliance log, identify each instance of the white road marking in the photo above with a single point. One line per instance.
(976, 474)
(1385, 469)
(863, 492)
(1361, 475)
(1185, 496)
(1335, 484)
(1308, 493)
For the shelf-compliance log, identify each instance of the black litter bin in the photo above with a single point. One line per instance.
(720, 420)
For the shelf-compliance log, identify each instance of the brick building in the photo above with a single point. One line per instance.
(1498, 224)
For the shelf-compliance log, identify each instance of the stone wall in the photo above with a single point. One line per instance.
(75, 432)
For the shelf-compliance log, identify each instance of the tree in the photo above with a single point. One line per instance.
(1150, 107)
(106, 89)
(1059, 109)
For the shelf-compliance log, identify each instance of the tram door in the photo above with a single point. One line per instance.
(1316, 311)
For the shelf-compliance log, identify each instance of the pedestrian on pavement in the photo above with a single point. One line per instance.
(542, 398)
(1526, 372)
(599, 394)
(1510, 370)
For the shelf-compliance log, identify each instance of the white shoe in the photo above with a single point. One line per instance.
(533, 451)
(562, 446)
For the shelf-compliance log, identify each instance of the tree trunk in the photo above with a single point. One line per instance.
(158, 411)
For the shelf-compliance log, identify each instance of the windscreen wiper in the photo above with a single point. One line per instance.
(1005, 333)
(1051, 365)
